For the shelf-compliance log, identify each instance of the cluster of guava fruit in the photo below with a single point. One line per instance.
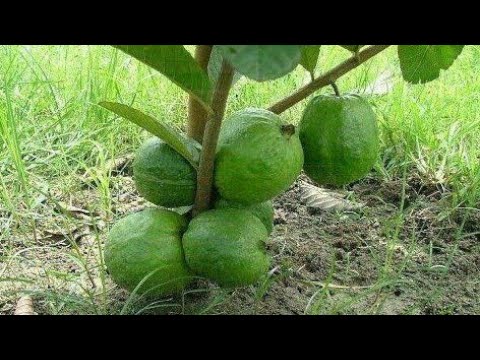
(159, 252)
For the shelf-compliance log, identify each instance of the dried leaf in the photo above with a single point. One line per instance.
(73, 210)
(76, 233)
(25, 306)
(325, 200)
(81, 233)
(119, 166)
(280, 217)
(53, 235)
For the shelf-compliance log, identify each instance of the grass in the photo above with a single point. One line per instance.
(52, 133)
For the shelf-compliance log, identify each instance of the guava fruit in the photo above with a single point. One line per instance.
(162, 176)
(259, 157)
(147, 245)
(263, 211)
(339, 135)
(227, 246)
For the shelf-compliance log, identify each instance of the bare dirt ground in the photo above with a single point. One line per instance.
(390, 257)
(357, 263)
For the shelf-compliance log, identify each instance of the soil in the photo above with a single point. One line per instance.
(389, 257)
(335, 263)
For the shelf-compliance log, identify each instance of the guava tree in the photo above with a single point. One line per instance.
(213, 164)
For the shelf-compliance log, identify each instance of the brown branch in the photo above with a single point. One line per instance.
(210, 140)
(197, 116)
(328, 78)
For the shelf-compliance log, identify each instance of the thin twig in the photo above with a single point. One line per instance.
(327, 79)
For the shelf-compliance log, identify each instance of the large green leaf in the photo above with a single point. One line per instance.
(215, 66)
(188, 148)
(352, 48)
(178, 65)
(263, 62)
(423, 63)
(309, 60)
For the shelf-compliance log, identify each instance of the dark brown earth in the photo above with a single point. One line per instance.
(397, 255)
(380, 260)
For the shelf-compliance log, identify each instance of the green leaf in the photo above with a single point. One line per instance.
(176, 63)
(215, 66)
(309, 60)
(423, 63)
(263, 62)
(188, 148)
(353, 48)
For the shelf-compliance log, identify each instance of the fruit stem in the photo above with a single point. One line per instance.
(197, 116)
(210, 140)
(326, 79)
(335, 88)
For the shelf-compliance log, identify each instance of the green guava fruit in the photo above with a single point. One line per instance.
(162, 176)
(263, 211)
(259, 157)
(147, 245)
(339, 135)
(227, 246)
